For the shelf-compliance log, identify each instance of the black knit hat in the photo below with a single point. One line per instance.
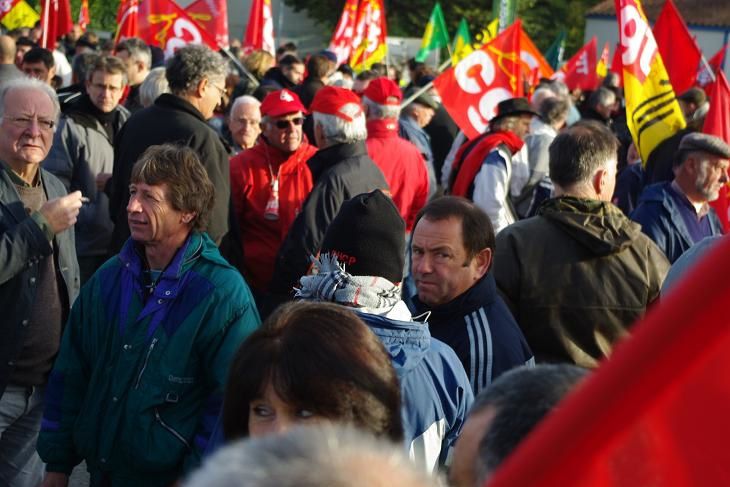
(368, 236)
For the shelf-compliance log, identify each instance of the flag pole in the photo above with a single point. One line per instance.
(425, 87)
(240, 66)
(707, 67)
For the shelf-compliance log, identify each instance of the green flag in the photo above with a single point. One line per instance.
(436, 36)
(505, 11)
(461, 47)
(554, 53)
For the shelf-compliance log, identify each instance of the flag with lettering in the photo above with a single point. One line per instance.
(164, 24)
(708, 72)
(341, 43)
(17, 13)
(679, 50)
(655, 413)
(55, 22)
(435, 36)
(717, 123)
(580, 70)
(471, 90)
(369, 44)
(127, 20)
(212, 16)
(532, 59)
(652, 111)
(260, 29)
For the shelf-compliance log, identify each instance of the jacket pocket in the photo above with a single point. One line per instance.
(171, 430)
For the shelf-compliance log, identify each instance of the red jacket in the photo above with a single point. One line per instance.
(251, 190)
(403, 167)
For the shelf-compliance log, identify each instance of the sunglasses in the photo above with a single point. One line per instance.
(284, 124)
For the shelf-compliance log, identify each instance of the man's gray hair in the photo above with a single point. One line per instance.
(192, 64)
(506, 123)
(376, 111)
(337, 130)
(137, 49)
(32, 84)
(554, 109)
(602, 97)
(311, 456)
(521, 398)
(153, 86)
(245, 100)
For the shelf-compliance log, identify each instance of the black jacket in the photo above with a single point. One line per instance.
(274, 77)
(339, 172)
(169, 120)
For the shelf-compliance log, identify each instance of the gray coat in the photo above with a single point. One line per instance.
(22, 245)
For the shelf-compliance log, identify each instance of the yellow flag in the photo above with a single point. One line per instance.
(486, 35)
(20, 15)
(652, 111)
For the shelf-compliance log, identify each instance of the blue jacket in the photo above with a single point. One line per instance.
(138, 382)
(435, 390)
(660, 219)
(479, 327)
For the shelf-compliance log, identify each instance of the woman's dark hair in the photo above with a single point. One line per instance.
(320, 357)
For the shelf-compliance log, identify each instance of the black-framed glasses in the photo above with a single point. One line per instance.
(284, 124)
(27, 122)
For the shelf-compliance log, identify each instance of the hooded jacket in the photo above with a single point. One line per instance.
(435, 391)
(479, 327)
(576, 276)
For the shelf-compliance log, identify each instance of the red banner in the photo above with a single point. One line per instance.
(127, 20)
(617, 64)
(84, 19)
(260, 29)
(212, 16)
(714, 65)
(678, 48)
(341, 43)
(580, 70)
(717, 123)
(656, 412)
(163, 23)
(471, 90)
(533, 62)
(55, 22)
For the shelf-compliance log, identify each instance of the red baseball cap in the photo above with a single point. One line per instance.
(331, 100)
(281, 102)
(384, 91)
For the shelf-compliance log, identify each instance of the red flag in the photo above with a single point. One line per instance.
(714, 65)
(471, 90)
(260, 30)
(580, 70)
(55, 21)
(533, 62)
(127, 20)
(717, 123)
(617, 65)
(163, 23)
(341, 43)
(84, 19)
(678, 49)
(656, 412)
(368, 45)
(212, 16)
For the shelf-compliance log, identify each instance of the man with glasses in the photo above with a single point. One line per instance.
(38, 271)
(196, 77)
(277, 165)
(82, 156)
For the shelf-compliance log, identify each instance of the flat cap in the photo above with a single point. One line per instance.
(693, 95)
(697, 141)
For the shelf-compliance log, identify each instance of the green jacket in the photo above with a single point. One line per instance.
(576, 277)
(139, 379)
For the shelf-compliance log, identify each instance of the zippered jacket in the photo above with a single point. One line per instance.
(138, 382)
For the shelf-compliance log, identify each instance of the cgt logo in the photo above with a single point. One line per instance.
(185, 32)
(637, 40)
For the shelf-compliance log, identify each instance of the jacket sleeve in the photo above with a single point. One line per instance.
(66, 388)
(59, 161)
(658, 267)
(231, 324)
(213, 155)
(491, 188)
(506, 269)
(646, 215)
(19, 243)
(305, 236)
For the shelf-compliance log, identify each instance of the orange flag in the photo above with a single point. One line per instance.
(531, 57)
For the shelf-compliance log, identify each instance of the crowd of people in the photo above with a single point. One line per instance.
(426, 299)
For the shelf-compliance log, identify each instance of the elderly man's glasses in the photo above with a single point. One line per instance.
(27, 122)
(284, 124)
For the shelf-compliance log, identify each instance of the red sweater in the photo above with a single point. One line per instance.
(251, 190)
(402, 165)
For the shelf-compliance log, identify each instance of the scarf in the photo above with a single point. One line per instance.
(370, 294)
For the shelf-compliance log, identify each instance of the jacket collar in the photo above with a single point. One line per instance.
(380, 129)
(174, 102)
(9, 195)
(333, 155)
(132, 257)
(483, 292)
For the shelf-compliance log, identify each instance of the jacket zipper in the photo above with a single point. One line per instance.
(171, 430)
(144, 364)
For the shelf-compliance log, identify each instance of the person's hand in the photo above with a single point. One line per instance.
(55, 479)
(61, 212)
(101, 180)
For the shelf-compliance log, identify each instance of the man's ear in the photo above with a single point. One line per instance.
(484, 261)
(200, 88)
(187, 217)
(599, 181)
